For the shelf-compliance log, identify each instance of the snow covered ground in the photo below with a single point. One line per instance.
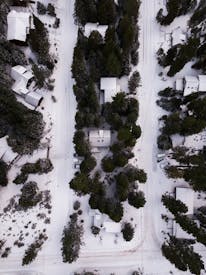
(104, 256)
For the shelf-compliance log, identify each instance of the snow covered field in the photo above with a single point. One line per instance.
(104, 255)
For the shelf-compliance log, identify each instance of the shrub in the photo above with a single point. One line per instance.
(134, 82)
(136, 199)
(23, 126)
(174, 206)
(3, 173)
(128, 232)
(33, 249)
(41, 9)
(181, 254)
(71, 240)
(51, 10)
(30, 195)
(88, 164)
(108, 164)
(164, 142)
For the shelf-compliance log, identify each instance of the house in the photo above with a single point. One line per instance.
(100, 138)
(202, 83)
(191, 85)
(110, 88)
(90, 27)
(186, 195)
(112, 227)
(33, 99)
(23, 78)
(178, 37)
(19, 25)
(179, 84)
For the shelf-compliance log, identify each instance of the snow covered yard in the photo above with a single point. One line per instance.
(107, 252)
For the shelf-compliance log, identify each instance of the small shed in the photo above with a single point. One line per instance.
(202, 83)
(19, 24)
(33, 99)
(191, 85)
(90, 27)
(186, 195)
(179, 84)
(97, 220)
(100, 138)
(112, 227)
(110, 88)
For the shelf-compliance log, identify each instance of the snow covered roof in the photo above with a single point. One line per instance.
(178, 37)
(2, 151)
(186, 195)
(191, 85)
(9, 156)
(22, 76)
(179, 233)
(110, 87)
(179, 84)
(6, 152)
(33, 99)
(90, 27)
(100, 138)
(21, 72)
(18, 25)
(97, 220)
(112, 227)
(202, 83)
(19, 87)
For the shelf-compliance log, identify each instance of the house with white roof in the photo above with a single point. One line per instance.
(202, 83)
(109, 87)
(191, 84)
(90, 27)
(178, 37)
(100, 138)
(33, 99)
(23, 78)
(112, 227)
(19, 24)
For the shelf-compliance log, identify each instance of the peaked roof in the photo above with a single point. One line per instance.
(18, 24)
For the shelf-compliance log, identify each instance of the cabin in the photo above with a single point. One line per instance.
(19, 25)
(109, 87)
(112, 227)
(178, 37)
(100, 138)
(33, 99)
(23, 79)
(191, 84)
